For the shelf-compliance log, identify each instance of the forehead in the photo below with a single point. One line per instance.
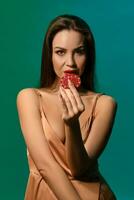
(68, 39)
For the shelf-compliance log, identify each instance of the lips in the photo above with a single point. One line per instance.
(70, 71)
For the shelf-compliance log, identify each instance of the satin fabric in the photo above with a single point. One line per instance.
(92, 187)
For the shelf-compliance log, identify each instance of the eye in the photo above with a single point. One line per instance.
(60, 52)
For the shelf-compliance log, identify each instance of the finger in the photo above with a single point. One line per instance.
(64, 108)
(67, 101)
(72, 100)
(78, 99)
(63, 105)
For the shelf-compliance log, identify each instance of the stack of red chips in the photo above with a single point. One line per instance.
(74, 78)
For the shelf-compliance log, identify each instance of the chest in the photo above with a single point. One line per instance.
(53, 112)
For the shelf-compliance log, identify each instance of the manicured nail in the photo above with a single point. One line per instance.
(70, 83)
(61, 88)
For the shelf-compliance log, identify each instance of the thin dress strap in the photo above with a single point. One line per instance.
(41, 106)
(40, 99)
(95, 102)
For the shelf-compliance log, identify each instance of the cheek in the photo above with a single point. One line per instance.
(57, 65)
(54, 60)
(81, 64)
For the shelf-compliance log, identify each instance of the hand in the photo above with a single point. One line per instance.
(71, 102)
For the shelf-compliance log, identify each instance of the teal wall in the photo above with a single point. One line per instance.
(22, 28)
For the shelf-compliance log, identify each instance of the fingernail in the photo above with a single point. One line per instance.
(70, 83)
(61, 88)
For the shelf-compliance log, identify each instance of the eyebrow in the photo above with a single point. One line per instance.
(82, 46)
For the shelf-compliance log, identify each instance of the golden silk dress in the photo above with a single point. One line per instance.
(93, 187)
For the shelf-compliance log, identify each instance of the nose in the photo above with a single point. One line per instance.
(70, 62)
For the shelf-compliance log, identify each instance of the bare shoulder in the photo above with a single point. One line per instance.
(27, 96)
(107, 99)
(27, 91)
(106, 103)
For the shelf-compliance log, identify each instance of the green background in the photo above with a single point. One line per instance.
(22, 28)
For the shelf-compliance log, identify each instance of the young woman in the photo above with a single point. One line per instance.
(66, 128)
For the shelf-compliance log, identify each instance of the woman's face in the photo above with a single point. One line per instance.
(68, 52)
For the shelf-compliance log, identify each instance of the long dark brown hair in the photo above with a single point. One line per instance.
(68, 22)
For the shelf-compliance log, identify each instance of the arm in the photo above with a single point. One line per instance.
(81, 157)
(50, 170)
(102, 126)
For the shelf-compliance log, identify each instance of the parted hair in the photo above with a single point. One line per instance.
(68, 22)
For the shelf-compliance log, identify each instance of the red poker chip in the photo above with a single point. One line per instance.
(74, 78)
